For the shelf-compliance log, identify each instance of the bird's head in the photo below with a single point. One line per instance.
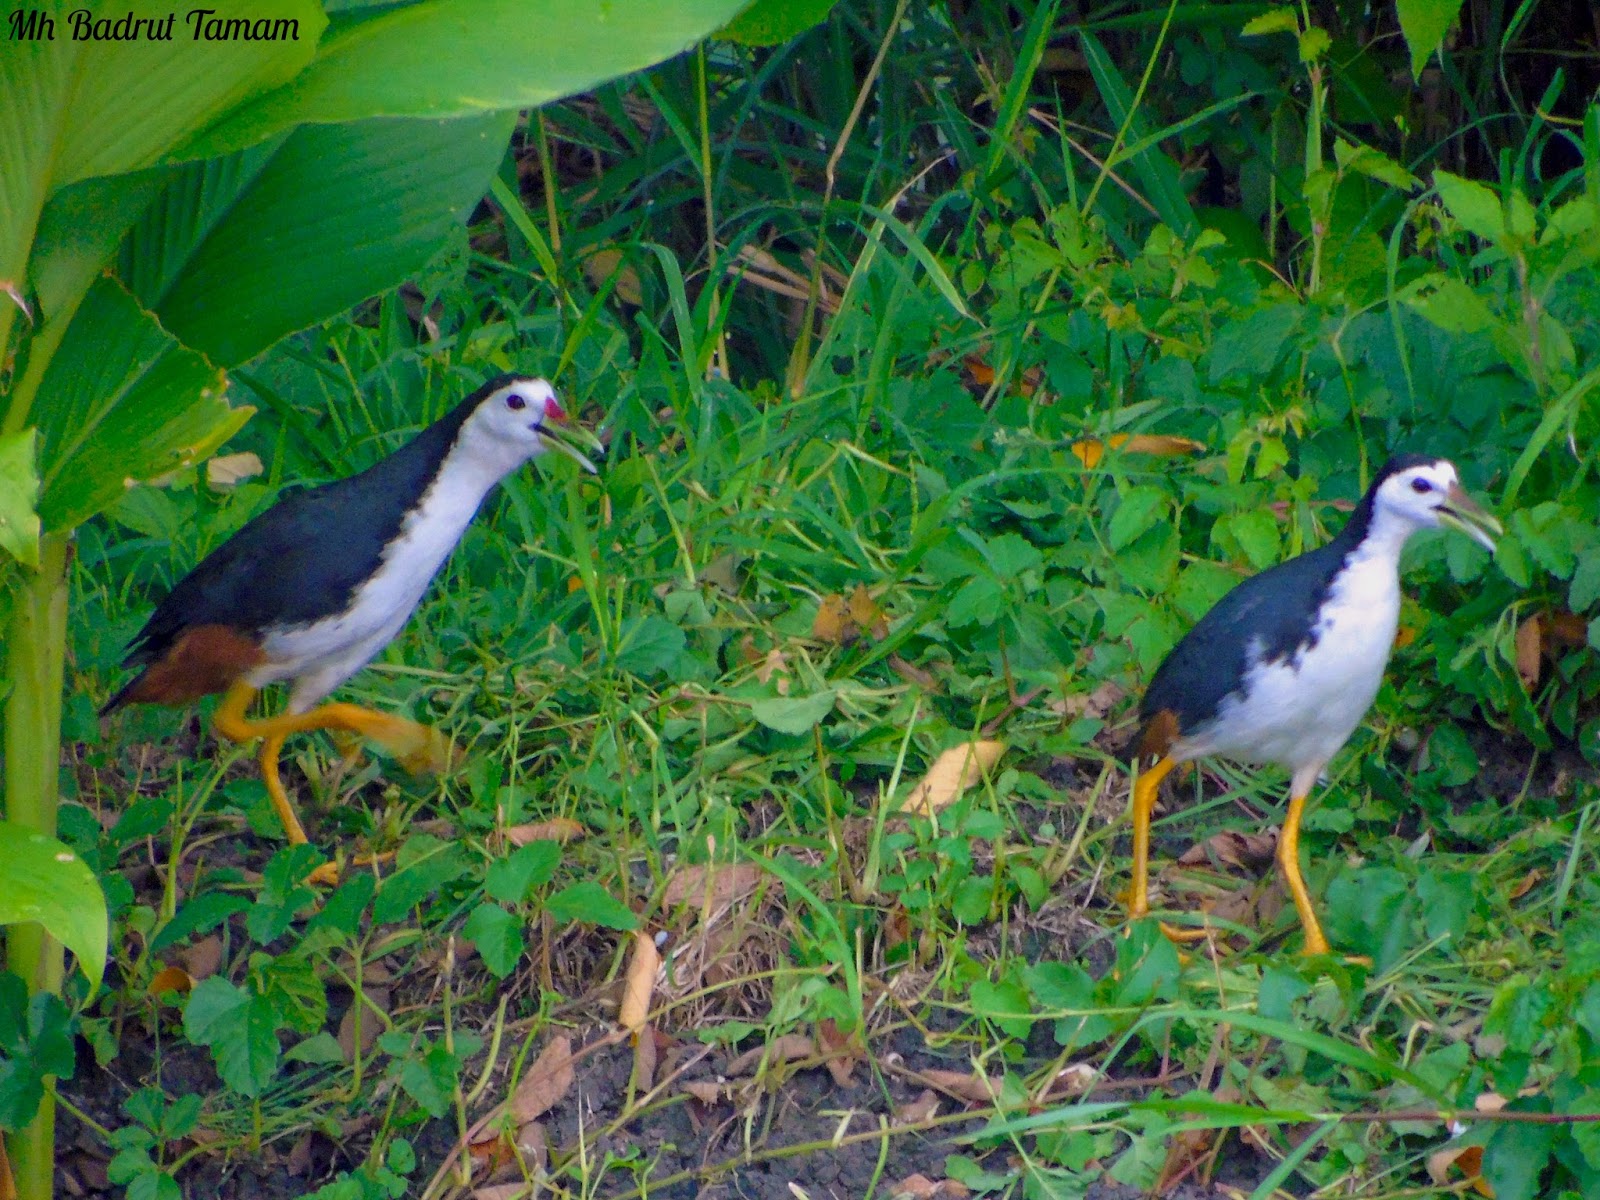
(522, 413)
(1427, 493)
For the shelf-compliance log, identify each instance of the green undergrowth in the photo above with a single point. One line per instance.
(649, 655)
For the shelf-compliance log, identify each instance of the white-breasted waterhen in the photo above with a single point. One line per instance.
(309, 591)
(1285, 666)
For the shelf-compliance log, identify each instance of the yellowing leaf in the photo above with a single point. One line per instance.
(1091, 450)
(952, 773)
(600, 266)
(640, 985)
(228, 470)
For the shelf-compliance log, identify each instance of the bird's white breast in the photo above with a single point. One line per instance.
(1299, 712)
(322, 655)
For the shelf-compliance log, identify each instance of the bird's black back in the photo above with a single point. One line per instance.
(1271, 615)
(305, 557)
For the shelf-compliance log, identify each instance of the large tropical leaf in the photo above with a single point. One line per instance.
(122, 402)
(72, 109)
(446, 58)
(46, 882)
(240, 251)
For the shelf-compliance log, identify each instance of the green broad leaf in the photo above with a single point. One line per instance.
(649, 644)
(453, 58)
(1140, 508)
(321, 1049)
(35, 1042)
(592, 904)
(1476, 208)
(1276, 20)
(1314, 44)
(74, 108)
(199, 914)
(284, 892)
(418, 881)
(1005, 1003)
(238, 253)
(1247, 350)
(793, 714)
(79, 232)
(1585, 589)
(498, 936)
(512, 878)
(19, 496)
(1256, 532)
(1448, 303)
(122, 402)
(1374, 164)
(341, 914)
(773, 22)
(1515, 1156)
(47, 883)
(1424, 24)
(240, 1028)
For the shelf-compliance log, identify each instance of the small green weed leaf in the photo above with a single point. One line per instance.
(436, 864)
(1514, 1157)
(321, 1049)
(1247, 350)
(1424, 24)
(1371, 909)
(402, 1157)
(1005, 1003)
(1512, 560)
(1275, 20)
(1447, 302)
(1451, 755)
(1586, 1134)
(292, 990)
(1585, 589)
(589, 902)
(1374, 164)
(47, 883)
(35, 1041)
(1280, 988)
(648, 645)
(1140, 508)
(497, 935)
(284, 892)
(793, 714)
(1256, 533)
(773, 22)
(1448, 900)
(341, 914)
(1147, 966)
(241, 1029)
(970, 904)
(967, 1172)
(512, 878)
(979, 601)
(19, 496)
(199, 914)
(1475, 208)
(1314, 43)
(1010, 554)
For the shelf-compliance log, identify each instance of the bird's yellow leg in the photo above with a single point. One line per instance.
(1289, 864)
(1144, 802)
(417, 747)
(271, 748)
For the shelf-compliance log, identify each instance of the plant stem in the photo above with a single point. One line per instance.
(35, 658)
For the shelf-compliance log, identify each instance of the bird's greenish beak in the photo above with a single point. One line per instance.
(576, 442)
(1460, 511)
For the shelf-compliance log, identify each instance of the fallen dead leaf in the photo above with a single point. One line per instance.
(1094, 705)
(1526, 884)
(230, 470)
(1090, 451)
(298, 1163)
(547, 1081)
(1248, 851)
(711, 884)
(913, 674)
(600, 266)
(506, 1191)
(557, 829)
(962, 1085)
(952, 773)
(791, 1047)
(1468, 1160)
(640, 984)
(1188, 1154)
(866, 615)
(832, 624)
(203, 958)
(843, 1050)
(170, 979)
(914, 1112)
(372, 1025)
(644, 1058)
(775, 662)
(705, 1091)
(1530, 644)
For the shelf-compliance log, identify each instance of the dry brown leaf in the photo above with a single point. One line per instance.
(1530, 645)
(644, 1059)
(1090, 451)
(230, 470)
(547, 1081)
(170, 979)
(705, 1091)
(1187, 1154)
(914, 1112)
(1094, 705)
(1404, 636)
(1248, 851)
(1468, 1160)
(832, 624)
(372, 1025)
(1074, 1079)
(1526, 884)
(203, 958)
(640, 985)
(298, 1163)
(963, 1085)
(866, 615)
(791, 1047)
(711, 885)
(913, 674)
(557, 829)
(952, 773)
(599, 267)
(491, 1153)
(920, 1187)
(774, 662)
(1565, 629)
(843, 1050)
(506, 1191)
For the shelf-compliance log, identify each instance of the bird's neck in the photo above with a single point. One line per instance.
(466, 474)
(1377, 535)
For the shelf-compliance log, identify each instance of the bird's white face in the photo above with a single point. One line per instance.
(525, 414)
(1430, 495)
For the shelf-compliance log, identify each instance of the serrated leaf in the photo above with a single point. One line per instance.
(1276, 20)
(589, 902)
(1314, 44)
(1137, 511)
(1475, 208)
(1424, 24)
(793, 714)
(498, 937)
(241, 1030)
(510, 879)
(649, 644)
(45, 882)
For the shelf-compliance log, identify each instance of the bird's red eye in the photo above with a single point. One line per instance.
(515, 402)
(1421, 486)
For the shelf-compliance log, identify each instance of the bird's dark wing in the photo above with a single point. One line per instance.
(1266, 618)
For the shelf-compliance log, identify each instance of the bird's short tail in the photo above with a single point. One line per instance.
(124, 694)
